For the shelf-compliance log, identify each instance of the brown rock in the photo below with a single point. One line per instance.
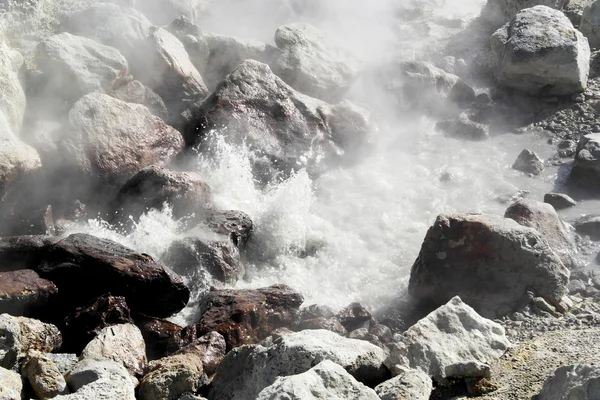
(213, 349)
(22, 252)
(44, 376)
(164, 338)
(24, 292)
(354, 316)
(235, 224)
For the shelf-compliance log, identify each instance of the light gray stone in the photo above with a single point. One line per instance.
(99, 379)
(410, 384)
(559, 201)
(63, 361)
(11, 385)
(590, 23)
(586, 168)
(529, 162)
(579, 381)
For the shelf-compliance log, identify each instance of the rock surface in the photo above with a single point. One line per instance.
(44, 377)
(24, 293)
(559, 201)
(573, 381)
(586, 168)
(463, 128)
(588, 225)
(501, 11)
(135, 92)
(540, 52)
(529, 162)
(101, 379)
(408, 384)
(11, 385)
(590, 23)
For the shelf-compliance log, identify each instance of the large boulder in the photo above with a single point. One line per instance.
(590, 23)
(110, 141)
(586, 168)
(577, 381)
(498, 12)
(24, 293)
(540, 52)
(313, 64)
(247, 370)
(132, 91)
(12, 95)
(451, 342)
(74, 66)
(489, 261)
(326, 380)
(408, 384)
(99, 378)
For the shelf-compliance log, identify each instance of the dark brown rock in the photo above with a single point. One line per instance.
(318, 316)
(24, 293)
(236, 224)
(247, 316)
(164, 338)
(22, 252)
(354, 316)
(213, 349)
(32, 221)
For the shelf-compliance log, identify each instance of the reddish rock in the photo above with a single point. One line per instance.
(354, 316)
(23, 292)
(164, 338)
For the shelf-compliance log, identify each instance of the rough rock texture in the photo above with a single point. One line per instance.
(121, 343)
(559, 201)
(101, 379)
(579, 381)
(590, 23)
(11, 385)
(135, 92)
(44, 376)
(540, 52)
(313, 64)
(408, 384)
(588, 225)
(110, 140)
(63, 361)
(489, 261)
(235, 224)
(319, 317)
(212, 346)
(529, 162)
(74, 66)
(109, 267)
(164, 338)
(451, 342)
(247, 370)
(574, 11)
(247, 316)
(354, 316)
(24, 293)
(499, 12)
(543, 218)
(327, 380)
(463, 128)
(12, 96)
(586, 168)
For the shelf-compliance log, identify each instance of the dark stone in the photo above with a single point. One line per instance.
(353, 317)
(22, 252)
(383, 332)
(38, 221)
(164, 338)
(24, 293)
(463, 128)
(236, 224)
(559, 201)
(588, 225)
(586, 168)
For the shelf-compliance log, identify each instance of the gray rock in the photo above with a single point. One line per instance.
(63, 361)
(529, 162)
(463, 128)
(540, 52)
(44, 377)
(247, 370)
(586, 168)
(588, 225)
(498, 12)
(451, 342)
(408, 384)
(577, 381)
(135, 92)
(574, 11)
(559, 201)
(489, 261)
(327, 380)
(590, 23)
(12, 95)
(100, 379)
(162, 12)
(74, 66)
(543, 218)
(313, 64)
(11, 385)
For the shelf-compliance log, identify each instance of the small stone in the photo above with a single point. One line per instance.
(529, 162)
(559, 201)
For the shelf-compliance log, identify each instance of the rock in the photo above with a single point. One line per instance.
(22, 252)
(590, 23)
(108, 267)
(463, 128)
(11, 385)
(498, 12)
(451, 342)
(489, 261)
(313, 64)
(574, 11)
(247, 316)
(540, 52)
(93, 378)
(212, 346)
(44, 376)
(354, 316)
(318, 316)
(121, 343)
(153, 186)
(543, 218)
(162, 12)
(409, 384)
(586, 168)
(110, 141)
(27, 220)
(18, 335)
(235, 224)
(588, 225)
(285, 130)
(164, 338)
(12, 95)
(135, 92)
(559, 201)
(247, 370)
(528, 162)
(24, 293)
(326, 380)
(63, 361)
(572, 381)
(74, 66)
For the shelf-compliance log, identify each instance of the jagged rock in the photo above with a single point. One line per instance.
(577, 381)
(164, 338)
(326, 380)
(586, 168)
(247, 316)
(12, 95)
(354, 316)
(588, 225)
(463, 128)
(108, 267)
(498, 12)
(74, 66)
(121, 343)
(543, 218)
(44, 376)
(559, 201)
(529, 162)
(590, 23)
(540, 52)
(489, 261)
(99, 378)
(451, 342)
(24, 293)
(313, 64)
(235, 224)
(11, 385)
(247, 370)
(135, 92)
(110, 141)
(408, 384)
(213, 348)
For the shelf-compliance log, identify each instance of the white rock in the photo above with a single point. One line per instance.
(409, 384)
(327, 380)
(499, 12)
(12, 96)
(451, 340)
(540, 52)
(11, 385)
(579, 381)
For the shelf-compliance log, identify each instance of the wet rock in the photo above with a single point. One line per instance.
(384, 333)
(313, 64)
(212, 346)
(586, 168)
(364, 334)
(408, 384)
(22, 252)
(489, 261)
(30, 221)
(109, 267)
(235, 224)
(121, 343)
(457, 341)
(326, 380)
(110, 141)
(463, 128)
(543, 218)
(99, 378)
(498, 12)
(11, 385)
(588, 225)
(247, 316)
(528, 162)
(527, 49)
(354, 316)
(74, 66)
(24, 293)
(247, 370)
(318, 316)
(572, 381)
(44, 376)
(153, 186)
(590, 23)
(12, 95)
(164, 338)
(135, 92)
(559, 201)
